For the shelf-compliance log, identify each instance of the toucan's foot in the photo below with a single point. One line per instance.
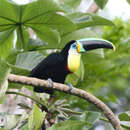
(70, 87)
(51, 82)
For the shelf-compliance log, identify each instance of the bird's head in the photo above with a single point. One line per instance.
(84, 45)
(74, 48)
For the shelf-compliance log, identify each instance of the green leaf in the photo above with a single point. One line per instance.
(54, 21)
(35, 44)
(128, 1)
(4, 71)
(83, 20)
(124, 116)
(25, 127)
(76, 35)
(5, 24)
(88, 116)
(125, 125)
(91, 116)
(4, 35)
(70, 125)
(22, 37)
(66, 8)
(38, 8)
(101, 3)
(9, 11)
(72, 3)
(6, 42)
(15, 86)
(11, 122)
(11, 58)
(36, 118)
(2, 99)
(46, 34)
(18, 71)
(28, 60)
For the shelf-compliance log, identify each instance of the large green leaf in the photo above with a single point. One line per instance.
(11, 121)
(36, 118)
(4, 71)
(128, 1)
(88, 116)
(18, 70)
(70, 125)
(35, 44)
(78, 122)
(76, 35)
(25, 127)
(4, 35)
(124, 116)
(23, 14)
(22, 37)
(6, 42)
(38, 8)
(46, 34)
(11, 59)
(83, 20)
(53, 20)
(5, 24)
(28, 60)
(9, 16)
(9, 11)
(125, 125)
(101, 3)
(72, 3)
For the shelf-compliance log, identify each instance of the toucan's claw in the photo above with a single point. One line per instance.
(70, 87)
(51, 82)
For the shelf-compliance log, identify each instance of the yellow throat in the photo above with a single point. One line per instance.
(73, 60)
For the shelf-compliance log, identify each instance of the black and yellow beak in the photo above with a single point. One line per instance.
(88, 44)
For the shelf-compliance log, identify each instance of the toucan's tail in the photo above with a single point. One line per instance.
(43, 90)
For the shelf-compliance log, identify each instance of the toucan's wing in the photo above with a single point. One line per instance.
(45, 65)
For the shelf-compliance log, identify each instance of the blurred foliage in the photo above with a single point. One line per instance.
(4, 71)
(128, 1)
(101, 3)
(124, 116)
(104, 73)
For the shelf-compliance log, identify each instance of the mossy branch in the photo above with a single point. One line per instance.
(64, 88)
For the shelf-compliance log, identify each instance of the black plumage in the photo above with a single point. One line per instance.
(54, 66)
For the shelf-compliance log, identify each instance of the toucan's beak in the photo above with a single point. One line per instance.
(94, 43)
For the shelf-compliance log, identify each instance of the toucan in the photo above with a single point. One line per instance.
(57, 66)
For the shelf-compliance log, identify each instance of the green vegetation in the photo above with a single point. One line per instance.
(105, 75)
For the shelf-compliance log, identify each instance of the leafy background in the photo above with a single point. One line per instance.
(29, 32)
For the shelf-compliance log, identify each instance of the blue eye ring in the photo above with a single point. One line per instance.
(74, 45)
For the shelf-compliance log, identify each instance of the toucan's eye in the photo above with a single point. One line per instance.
(74, 46)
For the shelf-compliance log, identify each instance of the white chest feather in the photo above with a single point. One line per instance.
(73, 61)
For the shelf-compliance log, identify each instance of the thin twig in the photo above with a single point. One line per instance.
(21, 94)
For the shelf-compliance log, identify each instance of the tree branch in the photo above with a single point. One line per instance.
(64, 88)
(93, 8)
